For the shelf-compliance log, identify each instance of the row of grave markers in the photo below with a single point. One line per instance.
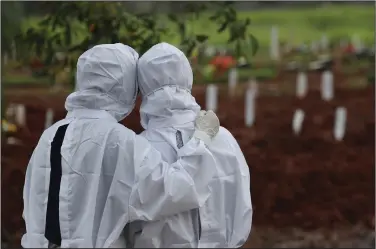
(327, 86)
(323, 43)
(339, 127)
(327, 94)
(297, 122)
(19, 113)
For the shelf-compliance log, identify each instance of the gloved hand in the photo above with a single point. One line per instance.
(206, 126)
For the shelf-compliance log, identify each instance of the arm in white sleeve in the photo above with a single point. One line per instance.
(244, 210)
(243, 219)
(161, 189)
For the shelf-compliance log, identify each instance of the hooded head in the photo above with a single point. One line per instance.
(106, 80)
(165, 80)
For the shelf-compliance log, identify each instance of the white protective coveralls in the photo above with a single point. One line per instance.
(168, 112)
(108, 176)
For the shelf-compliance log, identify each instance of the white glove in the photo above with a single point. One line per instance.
(206, 126)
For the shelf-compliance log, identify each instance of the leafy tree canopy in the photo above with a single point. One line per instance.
(109, 22)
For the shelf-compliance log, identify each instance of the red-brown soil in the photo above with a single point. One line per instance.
(308, 181)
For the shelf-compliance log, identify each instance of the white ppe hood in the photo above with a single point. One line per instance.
(165, 79)
(104, 73)
(167, 110)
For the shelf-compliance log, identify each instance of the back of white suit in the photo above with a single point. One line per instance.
(89, 176)
(168, 112)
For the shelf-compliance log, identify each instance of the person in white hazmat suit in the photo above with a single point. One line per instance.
(89, 175)
(168, 112)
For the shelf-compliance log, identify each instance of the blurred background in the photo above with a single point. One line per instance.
(293, 81)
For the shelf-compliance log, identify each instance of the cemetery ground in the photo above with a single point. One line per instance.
(308, 140)
(308, 189)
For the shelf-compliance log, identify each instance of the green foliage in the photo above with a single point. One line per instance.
(103, 22)
(11, 19)
(188, 39)
(109, 22)
(239, 37)
(244, 74)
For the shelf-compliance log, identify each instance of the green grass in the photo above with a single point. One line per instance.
(295, 25)
(244, 75)
(301, 25)
(18, 80)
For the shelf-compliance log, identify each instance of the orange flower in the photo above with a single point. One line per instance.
(223, 63)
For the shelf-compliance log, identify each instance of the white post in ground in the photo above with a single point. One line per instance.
(211, 97)
(49, 118)
(232, 80)
(356, 42)
(301, 85)
(340, 123)
(250, 103)
(20, 116)
(274, 44)
(324, 42)
(327, 91)
(253, 85)
(297, 121)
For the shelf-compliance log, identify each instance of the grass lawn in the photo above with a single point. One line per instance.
(301, 25)
(244, 74)
(296, 25)
(9, 80)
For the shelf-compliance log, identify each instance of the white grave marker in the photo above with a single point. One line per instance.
(210, 51)
(297, 121)
(49, 118)
(232, 80)
(274, 44)
(253, 85)
(211, 97)
(10, 112)
(20, 116)
(324, 42)
(327, 92)
(356, 42)
(340, 123)
(250, 106)
(301, 85)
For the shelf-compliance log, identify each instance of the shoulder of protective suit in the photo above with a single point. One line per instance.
(48, 134)
(119, 134)
(225, 135)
